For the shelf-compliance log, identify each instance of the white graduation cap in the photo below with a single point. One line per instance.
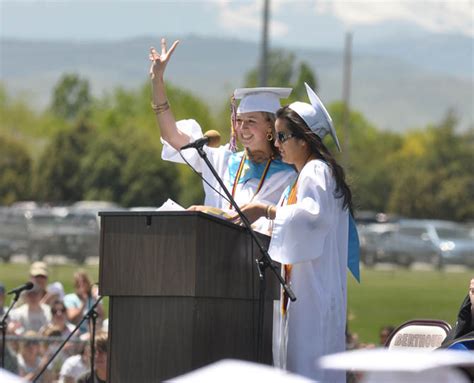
(265, 99)
(8, 377)
(315, 115)
(237, 371)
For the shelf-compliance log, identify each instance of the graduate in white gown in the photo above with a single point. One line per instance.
(255, 174)
(310, 240)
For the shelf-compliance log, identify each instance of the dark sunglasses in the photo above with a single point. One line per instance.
(282, 137)
(55, 311)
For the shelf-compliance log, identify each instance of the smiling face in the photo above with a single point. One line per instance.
(252, 129)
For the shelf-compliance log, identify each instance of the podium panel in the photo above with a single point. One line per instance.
(183, 290)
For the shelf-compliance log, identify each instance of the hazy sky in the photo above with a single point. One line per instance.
(297, 22)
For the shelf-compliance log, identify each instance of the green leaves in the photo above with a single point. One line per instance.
(109, 148)
(71, 97)
(15, 171)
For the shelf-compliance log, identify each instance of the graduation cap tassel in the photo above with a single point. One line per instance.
(233, 138)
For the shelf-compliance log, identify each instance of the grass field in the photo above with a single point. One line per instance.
(390, 297)
(383, 297)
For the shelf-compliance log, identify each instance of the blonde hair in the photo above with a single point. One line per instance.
(82, 275)
(28, 339)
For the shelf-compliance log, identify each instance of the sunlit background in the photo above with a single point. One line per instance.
(396, 76)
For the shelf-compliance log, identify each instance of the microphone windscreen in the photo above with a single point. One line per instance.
(214, 138)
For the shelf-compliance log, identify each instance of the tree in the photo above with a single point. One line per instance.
(57, 176)
(280, 70)
(436, 167)
(15, 171)
(305, 75)
(127, 168)
(71, 97)
(369, 160)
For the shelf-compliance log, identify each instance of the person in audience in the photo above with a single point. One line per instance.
(76, 365)
(461, 336)
(32, 315)
(100, 361)
(39, 276)
(59, 321)
(11, 361)
(384, 333)
(48, 349)
(80, 302)
(59, 318)
(54, 292)
(29, 359)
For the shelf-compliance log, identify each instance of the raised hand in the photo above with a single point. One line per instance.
(159, 61)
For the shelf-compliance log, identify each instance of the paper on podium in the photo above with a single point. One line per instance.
(170, 205)
(216, 212)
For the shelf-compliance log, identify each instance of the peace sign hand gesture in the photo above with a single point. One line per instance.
(159, 61)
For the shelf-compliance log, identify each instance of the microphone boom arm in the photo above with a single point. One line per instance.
(262, 263)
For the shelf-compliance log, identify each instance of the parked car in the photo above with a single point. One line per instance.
(6, 249)
(371, 236)
(79, 234)
(436, 242)
(39, 231)
(13, 232)
(368, 217)
(42, 226)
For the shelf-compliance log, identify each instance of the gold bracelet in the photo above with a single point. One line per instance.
(158, 109)
(267, 212)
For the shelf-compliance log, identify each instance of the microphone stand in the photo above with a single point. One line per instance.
(91, 314)
(261, 264)
(3, 325)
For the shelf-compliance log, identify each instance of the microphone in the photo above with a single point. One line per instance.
(19, 289)
(211, 138)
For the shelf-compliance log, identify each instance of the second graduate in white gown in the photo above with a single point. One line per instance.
(310, 239)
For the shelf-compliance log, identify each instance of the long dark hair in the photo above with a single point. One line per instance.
(298, 127)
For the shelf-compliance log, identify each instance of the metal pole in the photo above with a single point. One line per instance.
(346, 91)
(264, 47)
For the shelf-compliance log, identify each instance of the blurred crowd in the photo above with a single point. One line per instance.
(43, 318)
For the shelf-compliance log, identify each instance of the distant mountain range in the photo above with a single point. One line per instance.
(396, 84)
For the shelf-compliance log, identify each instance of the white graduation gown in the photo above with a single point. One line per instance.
(312, 235)
(270, 192)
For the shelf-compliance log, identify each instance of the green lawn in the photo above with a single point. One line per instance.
(390, 297)
(383, 297)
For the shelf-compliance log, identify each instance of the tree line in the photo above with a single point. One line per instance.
(108, 148)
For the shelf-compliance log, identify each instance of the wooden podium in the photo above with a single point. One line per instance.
(183, 290)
